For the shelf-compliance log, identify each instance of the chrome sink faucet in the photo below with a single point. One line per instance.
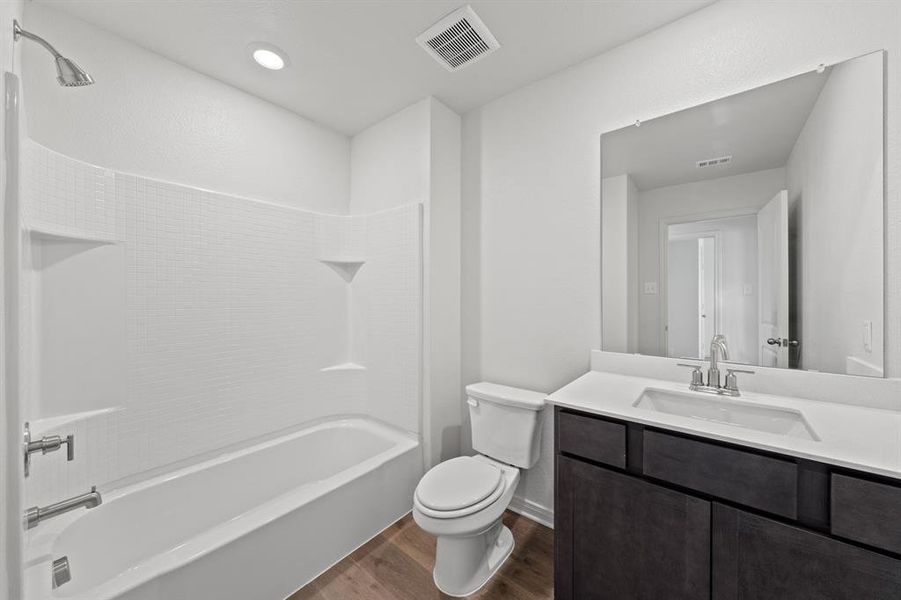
(717, 346)
(718, 351)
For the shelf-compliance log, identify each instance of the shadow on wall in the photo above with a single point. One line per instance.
(450, 442)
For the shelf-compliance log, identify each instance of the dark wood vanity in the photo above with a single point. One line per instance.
(646, 513)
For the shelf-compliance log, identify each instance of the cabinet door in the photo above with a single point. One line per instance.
(622, 538)
(755, 558)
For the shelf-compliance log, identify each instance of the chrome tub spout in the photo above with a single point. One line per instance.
(36, 514)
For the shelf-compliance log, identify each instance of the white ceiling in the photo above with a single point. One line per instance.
(758, 128)
(354, 62)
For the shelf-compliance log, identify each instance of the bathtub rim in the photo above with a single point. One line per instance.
(41, 540)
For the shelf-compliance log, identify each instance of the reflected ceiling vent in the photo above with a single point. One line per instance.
(458, 40)
(715, 162)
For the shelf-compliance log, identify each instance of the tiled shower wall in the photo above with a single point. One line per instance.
(232, 322)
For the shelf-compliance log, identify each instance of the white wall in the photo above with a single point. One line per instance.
(152, 117)
(227, 325)
(738, 315)
(682, 297)
(444, 396)
(390, 161)
(414, 156)
(10, 490)
(619, 278)
(535, 178)
(709, 199)
(836, 183)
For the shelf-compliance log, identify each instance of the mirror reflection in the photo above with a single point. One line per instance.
(758, 218)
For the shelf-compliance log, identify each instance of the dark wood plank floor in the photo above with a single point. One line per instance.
(397, 565)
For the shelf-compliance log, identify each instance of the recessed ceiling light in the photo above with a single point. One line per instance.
(268, 56)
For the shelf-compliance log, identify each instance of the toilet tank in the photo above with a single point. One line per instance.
(506, 422)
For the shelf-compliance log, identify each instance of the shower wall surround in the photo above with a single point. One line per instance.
(168, 322)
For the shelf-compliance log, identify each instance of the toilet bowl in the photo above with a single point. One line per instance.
(462, 500)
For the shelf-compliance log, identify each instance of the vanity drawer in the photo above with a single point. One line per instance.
(867, 511)
(748, 478)
(595, 439)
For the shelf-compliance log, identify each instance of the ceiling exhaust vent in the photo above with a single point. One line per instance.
(715, 162)
(458, 40)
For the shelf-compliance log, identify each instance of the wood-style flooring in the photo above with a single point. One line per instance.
(397, 565)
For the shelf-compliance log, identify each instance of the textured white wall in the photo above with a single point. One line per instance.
(533, 174)
(390, 161)
(442, 216)
(389, 290)
(152, 117)
(836, 178)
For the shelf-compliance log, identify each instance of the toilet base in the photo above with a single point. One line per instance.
(464, 564)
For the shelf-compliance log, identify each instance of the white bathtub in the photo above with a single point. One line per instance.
(254, 524)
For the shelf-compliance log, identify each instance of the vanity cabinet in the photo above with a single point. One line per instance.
(759, 558)
(633, 539)
(644, 513)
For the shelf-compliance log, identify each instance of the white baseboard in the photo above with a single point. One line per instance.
(532, 510)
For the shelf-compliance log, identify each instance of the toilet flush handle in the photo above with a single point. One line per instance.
(472, 402)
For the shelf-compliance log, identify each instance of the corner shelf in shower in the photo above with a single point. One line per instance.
(348, 366)
(346, 267)
(55, 233)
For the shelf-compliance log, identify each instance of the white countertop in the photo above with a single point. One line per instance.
(856, 437)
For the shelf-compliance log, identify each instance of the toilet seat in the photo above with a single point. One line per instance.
(459, 487)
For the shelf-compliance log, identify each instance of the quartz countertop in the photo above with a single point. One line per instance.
(855, 437)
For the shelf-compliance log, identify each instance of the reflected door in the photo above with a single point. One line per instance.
(707, 300)
(772, 261)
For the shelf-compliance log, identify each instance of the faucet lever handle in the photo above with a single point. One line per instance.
(732, 380)
(697, 374)
(70, 447)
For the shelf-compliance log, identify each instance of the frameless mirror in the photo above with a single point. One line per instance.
(758, 217)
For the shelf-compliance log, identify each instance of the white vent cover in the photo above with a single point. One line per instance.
(458, 40)
(713, 162)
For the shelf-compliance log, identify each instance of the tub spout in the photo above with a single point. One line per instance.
(36, 514)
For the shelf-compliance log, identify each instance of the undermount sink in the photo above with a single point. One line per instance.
(728, 411)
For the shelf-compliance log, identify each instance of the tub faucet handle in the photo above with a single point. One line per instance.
(49, 443)
(70, 447)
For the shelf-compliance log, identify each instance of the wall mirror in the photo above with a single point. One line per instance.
(758, 217)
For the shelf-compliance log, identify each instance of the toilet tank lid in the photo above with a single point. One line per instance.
(510, 396)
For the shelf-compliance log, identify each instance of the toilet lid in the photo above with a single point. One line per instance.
(458, 483)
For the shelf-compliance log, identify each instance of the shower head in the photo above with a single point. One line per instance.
(68, 73)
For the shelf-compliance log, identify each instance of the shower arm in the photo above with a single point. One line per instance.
(19, 32)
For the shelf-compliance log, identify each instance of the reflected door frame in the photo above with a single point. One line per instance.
(663, 226)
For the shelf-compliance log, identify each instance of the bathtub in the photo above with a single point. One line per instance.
(254, 524)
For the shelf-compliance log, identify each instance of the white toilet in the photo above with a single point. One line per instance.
(462, 500)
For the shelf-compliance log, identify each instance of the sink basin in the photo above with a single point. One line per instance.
(728, 411)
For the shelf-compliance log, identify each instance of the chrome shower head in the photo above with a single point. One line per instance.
(68, 73)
